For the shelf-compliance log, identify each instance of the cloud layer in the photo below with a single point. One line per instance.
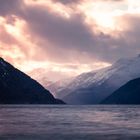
(60, 33)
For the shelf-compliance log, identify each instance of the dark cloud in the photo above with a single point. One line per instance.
(67, 33)
(78, 1)
(67, 1)
(72, 39)
(8, 7)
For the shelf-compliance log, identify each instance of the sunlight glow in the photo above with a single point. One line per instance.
(100, 16)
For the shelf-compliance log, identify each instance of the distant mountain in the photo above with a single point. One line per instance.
(18, 88)
(93, 87)
(41, 75)
(127, 94)
(57, 86)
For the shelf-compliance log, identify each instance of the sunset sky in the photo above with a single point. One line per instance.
(68, 37)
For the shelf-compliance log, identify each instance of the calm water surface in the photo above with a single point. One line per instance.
(65, 122)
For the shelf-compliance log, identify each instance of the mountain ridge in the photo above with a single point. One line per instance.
(126, 94)
(18, 88)
(92, 87)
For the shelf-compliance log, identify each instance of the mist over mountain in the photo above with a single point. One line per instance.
(57, 86)
(18, 88)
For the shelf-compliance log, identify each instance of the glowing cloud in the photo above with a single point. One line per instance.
(68, 37)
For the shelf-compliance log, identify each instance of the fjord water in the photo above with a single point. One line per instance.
(66, 122)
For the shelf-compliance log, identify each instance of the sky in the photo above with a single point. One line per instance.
(63, 38)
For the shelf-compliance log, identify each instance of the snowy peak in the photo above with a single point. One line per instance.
(127, 61)
(99, 84)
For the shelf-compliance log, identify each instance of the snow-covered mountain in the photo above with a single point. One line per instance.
(43, 77)
(59, 85)
(40, 75)
(93, 87)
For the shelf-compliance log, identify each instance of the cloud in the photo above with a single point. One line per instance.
(8, 7)
(67, 1)
(78, 1)
(71, 37)
(60, 32)
(67, 34)
(75, 40)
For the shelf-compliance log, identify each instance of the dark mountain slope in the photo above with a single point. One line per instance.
(18, 88)
(127, 94)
